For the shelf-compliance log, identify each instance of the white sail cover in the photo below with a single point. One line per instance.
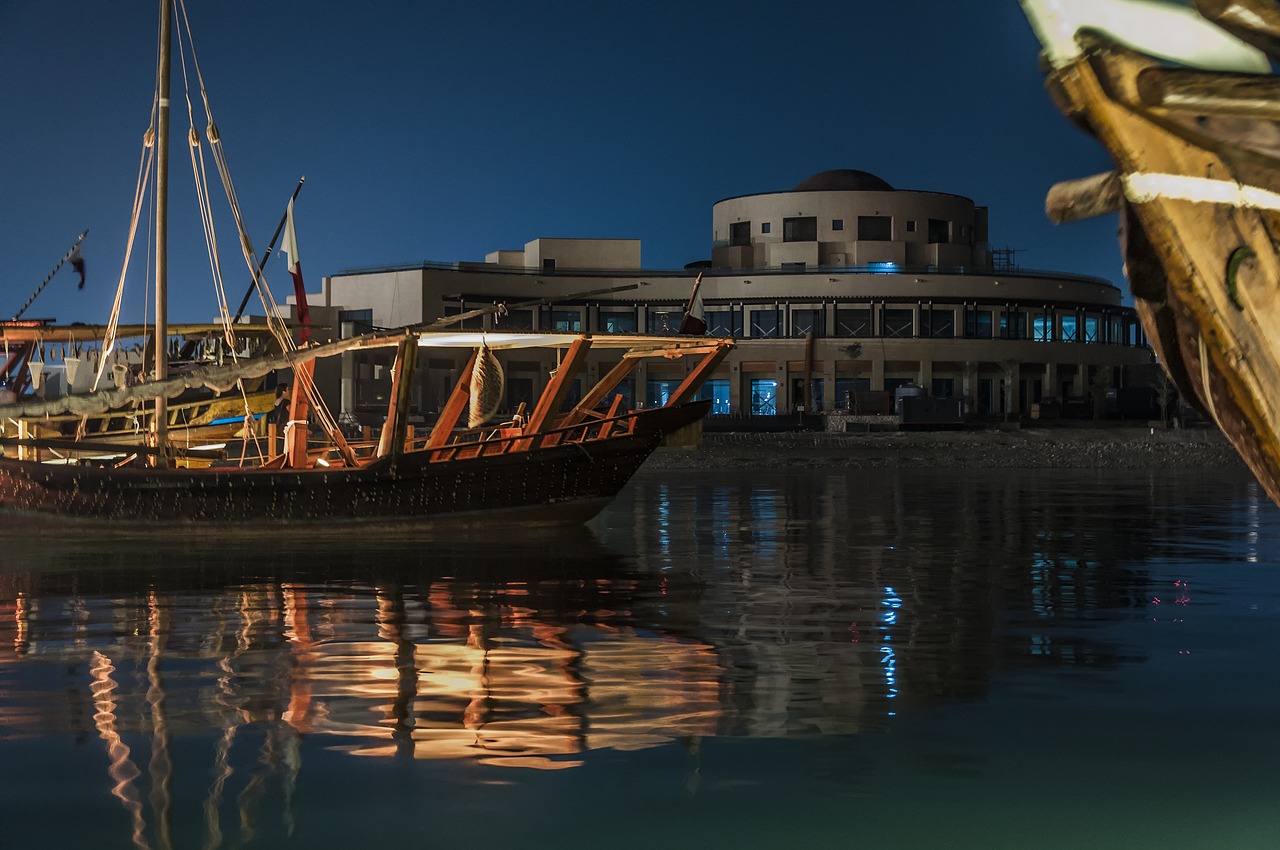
(1159, 28)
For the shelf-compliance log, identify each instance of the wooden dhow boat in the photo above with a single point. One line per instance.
(1183, 99)
(545, 465)
(43, 360)
(548, 466)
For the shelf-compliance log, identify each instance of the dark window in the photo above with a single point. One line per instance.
(362, 319)
(740, 233)
(665, 320)
(765, 323)
(1013, 325)
(804, 321)
(847, 390)
(461, 324)
(977, 324)
(766, 227)
(875, 228)
(793, 267)
(942, 323)
(939, 231)
(660, 390)
(800, 229)
(944, 387)
(853, 321)
(515, 320)
(561, 321)
(911, 225)
(724, 322)
(837, 224)
(899, 323)
(618, 323)
(548, 265)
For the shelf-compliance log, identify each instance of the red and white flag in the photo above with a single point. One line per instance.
(694, 322)
(290, 248)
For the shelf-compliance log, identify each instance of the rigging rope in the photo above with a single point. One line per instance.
(275, 322)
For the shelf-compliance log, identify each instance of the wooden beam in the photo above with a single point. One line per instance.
(596, 394)
(393, 432)
(299, 411)
(553, 396)
(1205, 93)
(454, 407)
(697, 376)
(1087, 197)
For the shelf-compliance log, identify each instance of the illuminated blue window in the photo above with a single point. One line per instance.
(718, 391)
(764, 397)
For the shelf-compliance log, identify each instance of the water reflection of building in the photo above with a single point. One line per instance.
(812, 604)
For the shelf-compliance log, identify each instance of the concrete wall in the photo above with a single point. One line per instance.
(583, 253)
(910, 213)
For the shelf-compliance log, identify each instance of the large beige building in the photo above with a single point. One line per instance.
(838, 290)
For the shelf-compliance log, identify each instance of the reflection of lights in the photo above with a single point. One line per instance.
(889, 658)
(1251, 523)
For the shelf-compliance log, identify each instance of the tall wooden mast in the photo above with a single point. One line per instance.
(161, 427)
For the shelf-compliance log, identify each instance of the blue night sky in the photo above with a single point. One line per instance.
(442, 131)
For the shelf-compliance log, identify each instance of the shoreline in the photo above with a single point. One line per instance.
(1026, 448)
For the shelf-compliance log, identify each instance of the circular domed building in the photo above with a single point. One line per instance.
(840, 292)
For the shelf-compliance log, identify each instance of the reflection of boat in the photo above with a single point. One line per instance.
(46, 361)
(549, 465)
(1198, 184)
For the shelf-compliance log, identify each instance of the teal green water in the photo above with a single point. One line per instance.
(850, 658)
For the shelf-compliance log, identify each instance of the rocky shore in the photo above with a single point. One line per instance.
(1027, 448)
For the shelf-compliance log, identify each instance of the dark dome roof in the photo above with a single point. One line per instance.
(843, 180)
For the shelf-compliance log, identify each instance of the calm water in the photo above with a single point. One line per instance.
(844, 659)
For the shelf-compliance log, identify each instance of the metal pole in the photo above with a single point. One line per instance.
(270, 250)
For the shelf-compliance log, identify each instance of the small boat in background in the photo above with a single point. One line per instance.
(1184, 101)
(47, 362)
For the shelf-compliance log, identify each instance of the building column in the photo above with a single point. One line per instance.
(641, 376)
(1051, 388)
(736, 406)
(829, 382)
(925, 375)
(877, 374)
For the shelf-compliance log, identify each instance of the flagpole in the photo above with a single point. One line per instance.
(45, 283)
(694, 294)
(270, 250)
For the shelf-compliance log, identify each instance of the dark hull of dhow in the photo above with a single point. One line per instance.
(560, 484)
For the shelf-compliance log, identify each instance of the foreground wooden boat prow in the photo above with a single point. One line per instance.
(1197, 184)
